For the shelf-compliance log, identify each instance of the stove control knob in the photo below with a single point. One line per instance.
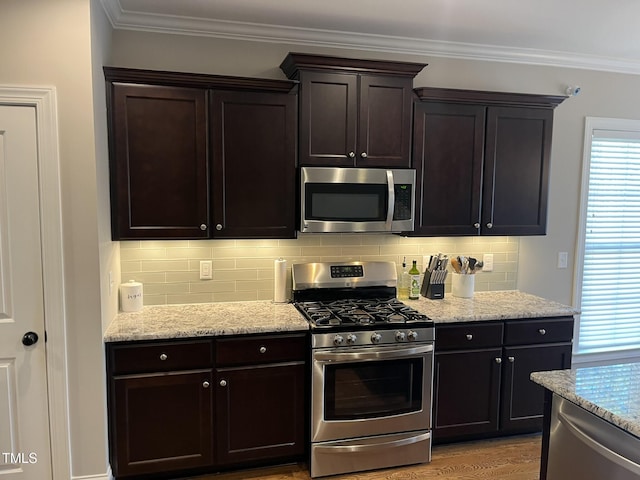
(411, 336)
(376, 337)
(338, 340)
(351, 339)
(400, 336)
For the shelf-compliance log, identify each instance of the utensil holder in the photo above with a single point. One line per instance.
(462, 285)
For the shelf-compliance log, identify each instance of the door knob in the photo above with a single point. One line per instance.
(29, 338)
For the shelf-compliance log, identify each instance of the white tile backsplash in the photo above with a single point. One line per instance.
(243, 269)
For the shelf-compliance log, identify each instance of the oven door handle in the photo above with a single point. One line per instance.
(375, 446)
(371, 354)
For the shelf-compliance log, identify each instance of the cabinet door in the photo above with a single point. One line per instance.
(159, 178)
(260, 412)
(516, 176)
(466, 393)
(384, 122)
(523, 400)
(161, 422)
(448, 157)
(254, 153)
(328, 119)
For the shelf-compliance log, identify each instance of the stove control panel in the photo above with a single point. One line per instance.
(346, 271)
(363, 338)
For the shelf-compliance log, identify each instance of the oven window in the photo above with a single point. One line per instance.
(346, 202)
(373, 389)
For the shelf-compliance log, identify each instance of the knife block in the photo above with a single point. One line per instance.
(433, 291)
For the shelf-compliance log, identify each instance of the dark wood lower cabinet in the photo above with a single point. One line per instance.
(481, 376)
(162, 422)
(256, 408)
(193, 406)
(467, 393)
(523, 401)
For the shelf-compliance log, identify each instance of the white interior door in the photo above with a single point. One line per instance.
(24, 419)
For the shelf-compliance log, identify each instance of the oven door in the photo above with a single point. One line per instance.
(366, 391)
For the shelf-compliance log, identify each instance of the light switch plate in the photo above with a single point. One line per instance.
(206, 270)
(487, 262)
(563, 259)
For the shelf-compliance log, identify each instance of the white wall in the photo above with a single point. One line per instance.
(603, 94)
(48, 43)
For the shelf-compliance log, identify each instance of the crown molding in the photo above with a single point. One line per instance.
(125, 20)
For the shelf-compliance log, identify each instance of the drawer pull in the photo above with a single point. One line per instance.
(223, 383)
(498, 360)
(263, 349)
(163, 356)
(205, 384)
(469, 336)
(511, 359)
(542, 331)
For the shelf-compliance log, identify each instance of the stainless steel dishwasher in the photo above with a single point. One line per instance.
(586, 447)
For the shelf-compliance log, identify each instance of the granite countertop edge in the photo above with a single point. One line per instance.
(564, 383)
(161, 322)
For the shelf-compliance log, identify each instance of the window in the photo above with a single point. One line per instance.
(609, 275)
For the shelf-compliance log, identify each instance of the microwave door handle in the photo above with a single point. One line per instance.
(392, 199)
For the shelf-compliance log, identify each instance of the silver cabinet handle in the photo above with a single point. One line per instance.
(542, 331)
(489, 225)
(498, 360)
(203, 227)
(476, 225)
(223, 383)
(163, 356)
(205, 384)
(351, 154)
(263, 349)
(219, 227)
(511, 359)
(469, 336)
(363, 154)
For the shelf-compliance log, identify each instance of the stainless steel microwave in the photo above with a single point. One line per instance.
(339, 199)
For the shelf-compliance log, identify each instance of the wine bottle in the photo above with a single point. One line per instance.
(403, 290)
(414, 278)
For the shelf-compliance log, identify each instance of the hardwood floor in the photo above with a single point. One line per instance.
(512, 458)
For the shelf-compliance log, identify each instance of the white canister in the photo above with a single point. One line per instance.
(462, 285)
(131, 296)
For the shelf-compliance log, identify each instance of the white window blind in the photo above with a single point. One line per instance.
(610, 290)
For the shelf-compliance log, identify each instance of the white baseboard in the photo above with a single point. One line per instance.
(101, 476)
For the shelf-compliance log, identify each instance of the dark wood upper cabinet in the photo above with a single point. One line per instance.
(159, 169)
(353, 112)
(482, 162)
(200, 156)
(253, 137)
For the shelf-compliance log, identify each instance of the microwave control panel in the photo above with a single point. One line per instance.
(403, 200)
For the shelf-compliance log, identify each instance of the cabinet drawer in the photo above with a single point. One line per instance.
(160, 357)
(260, 349)
(468, 336)
(547, 330)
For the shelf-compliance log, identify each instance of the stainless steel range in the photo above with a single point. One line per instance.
(372, 366)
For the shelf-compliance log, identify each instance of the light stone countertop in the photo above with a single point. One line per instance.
(500, 305)
(235, 318)
(205, 319)
(611, 392)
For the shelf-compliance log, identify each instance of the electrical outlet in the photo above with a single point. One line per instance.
(111, 282)
(563, 259)
(487, 262)
(206, 270)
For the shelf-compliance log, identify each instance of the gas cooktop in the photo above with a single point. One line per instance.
(355, 313)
